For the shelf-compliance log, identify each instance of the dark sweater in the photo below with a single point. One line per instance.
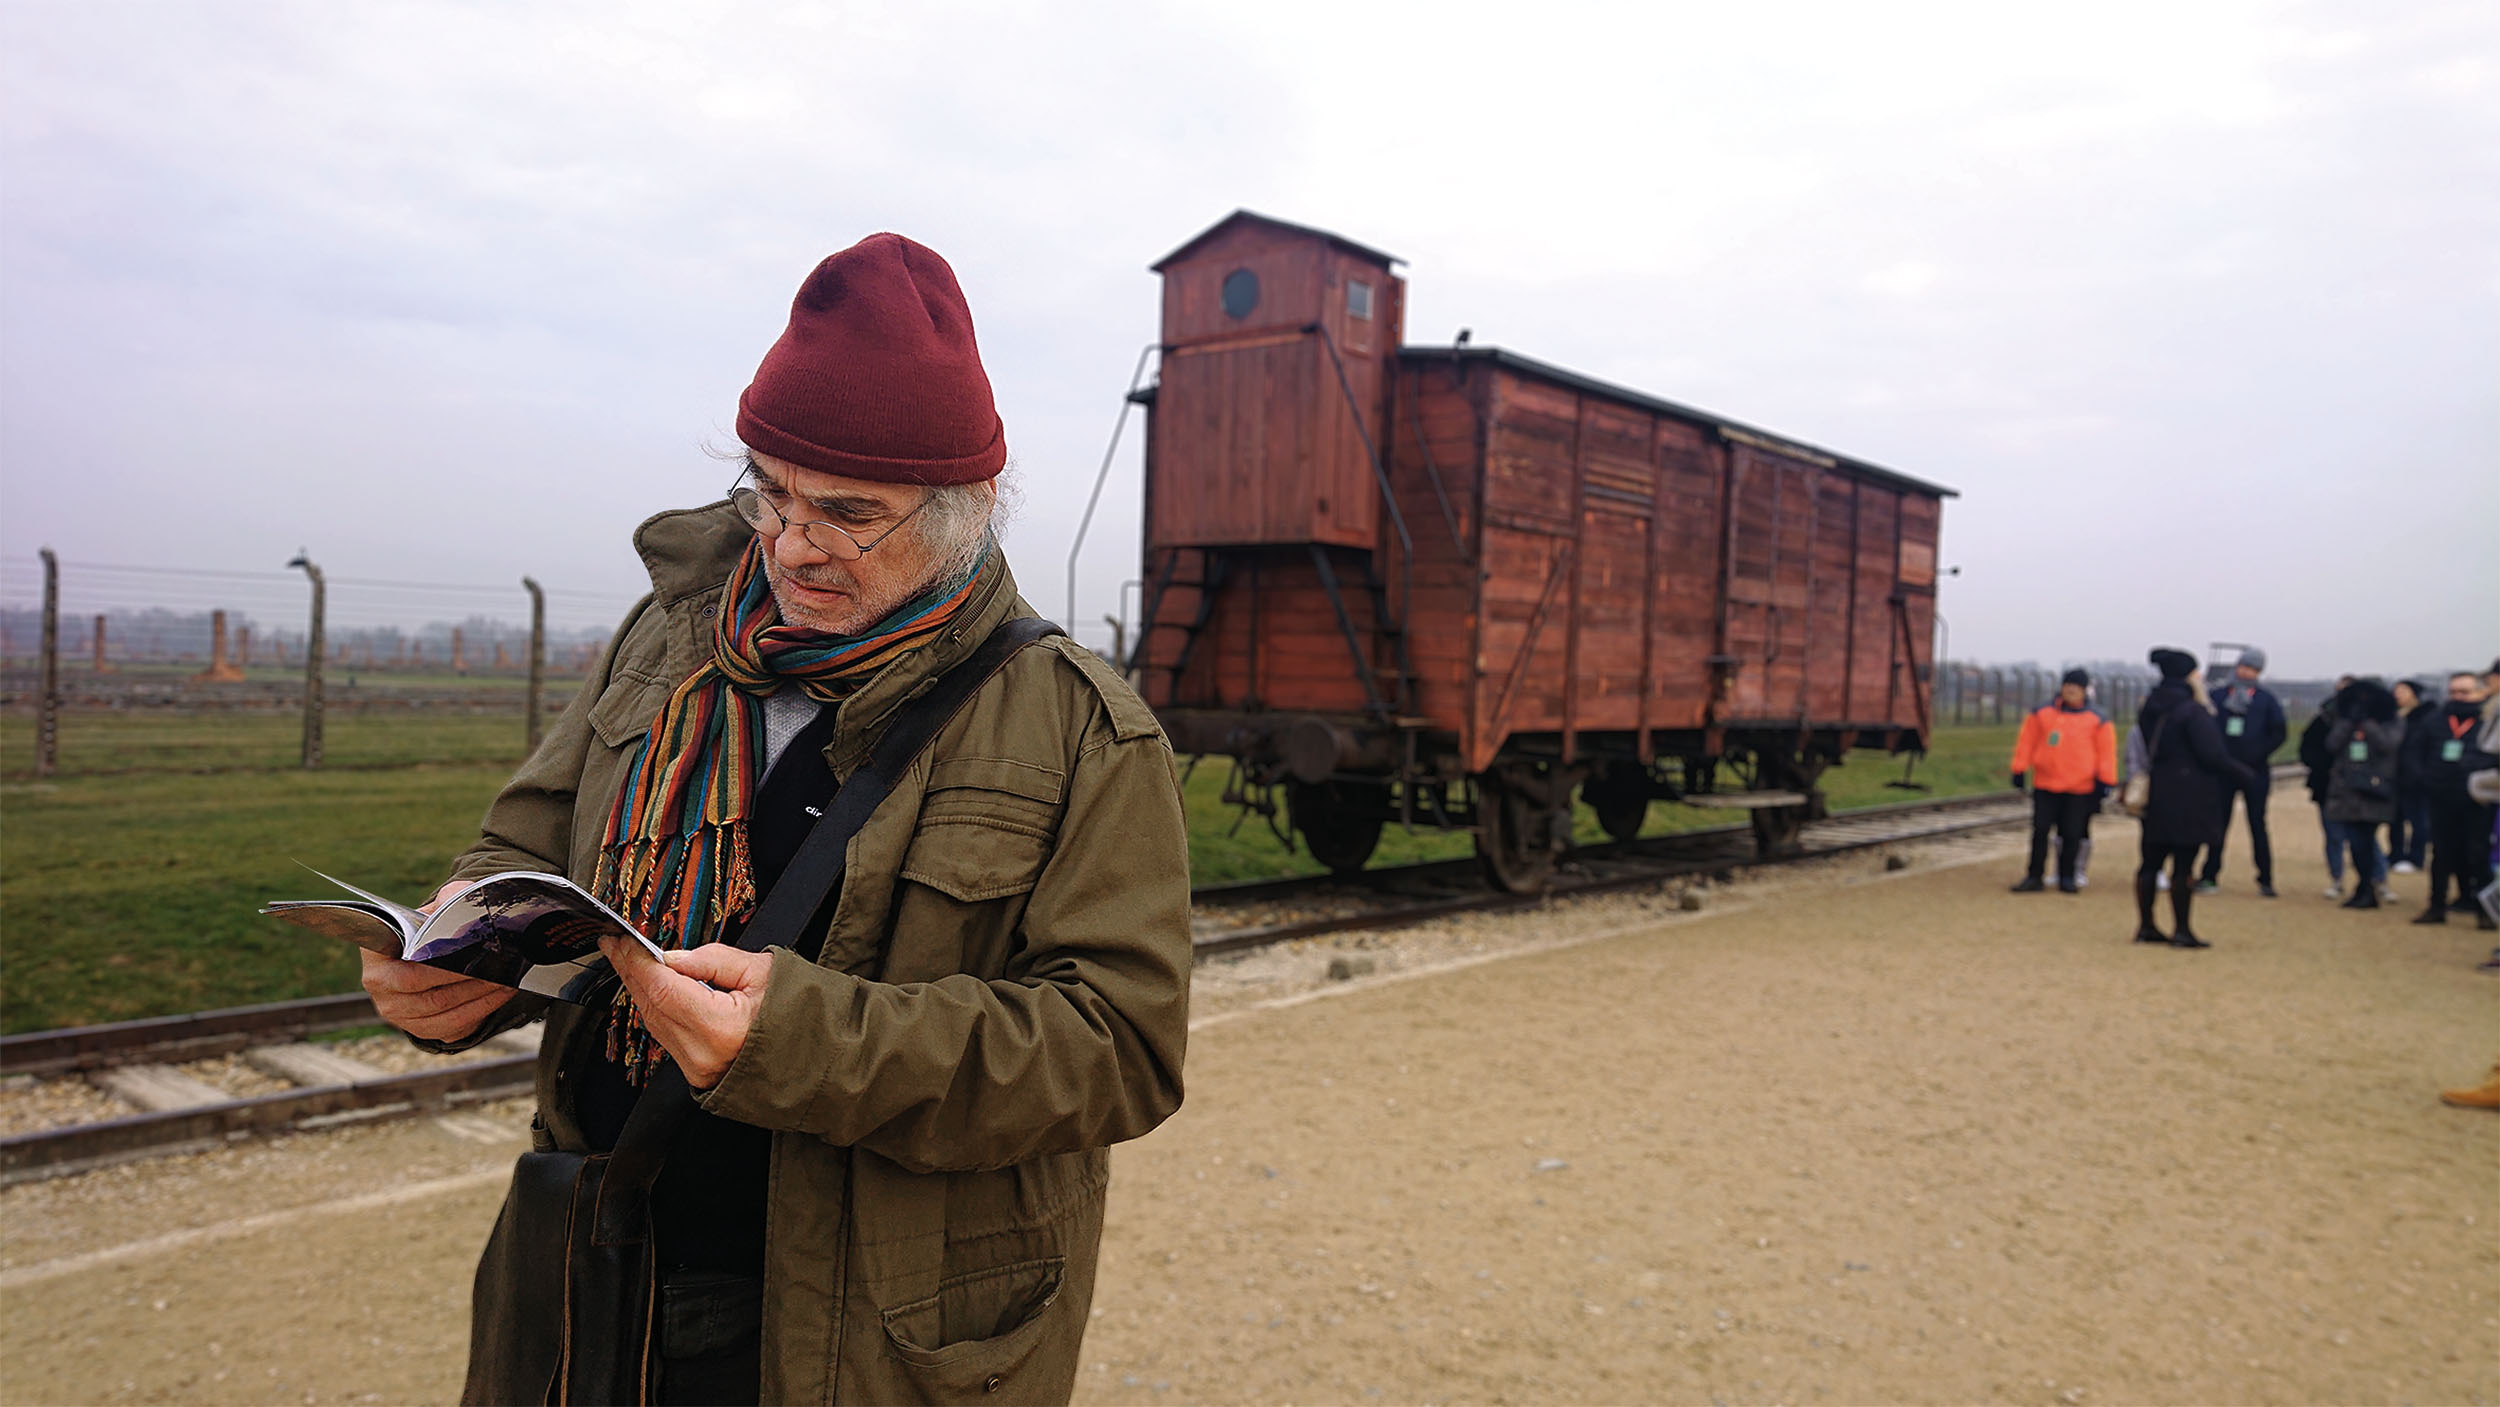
(2453, 757)
(2251, 721)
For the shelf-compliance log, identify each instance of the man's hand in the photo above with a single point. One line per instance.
(427, 1002)
(700, 1004)
(2018, 781)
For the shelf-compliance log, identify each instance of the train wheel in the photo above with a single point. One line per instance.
(1514, 836)
(1621, 806)
(1340, 822)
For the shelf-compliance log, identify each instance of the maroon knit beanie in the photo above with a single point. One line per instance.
(878, 376)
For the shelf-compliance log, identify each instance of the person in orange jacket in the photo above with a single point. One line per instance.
(2071, 754)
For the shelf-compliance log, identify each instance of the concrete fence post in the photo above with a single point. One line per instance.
(48, 717)
(313, 653)
(538, 659)
(221, 669)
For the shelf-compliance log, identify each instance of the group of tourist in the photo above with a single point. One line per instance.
(2390, 755)
(2378, 755)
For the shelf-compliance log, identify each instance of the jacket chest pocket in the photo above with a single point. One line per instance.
(987, 826)
(618, 721)
(626, 709)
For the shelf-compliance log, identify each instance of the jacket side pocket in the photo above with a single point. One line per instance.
(975, 1337)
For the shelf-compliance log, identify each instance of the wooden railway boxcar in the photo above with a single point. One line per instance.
(1454, 585)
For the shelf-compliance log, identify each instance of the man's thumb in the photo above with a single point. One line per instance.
(716, 965)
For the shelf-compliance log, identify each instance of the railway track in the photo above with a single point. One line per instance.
(177, 1084)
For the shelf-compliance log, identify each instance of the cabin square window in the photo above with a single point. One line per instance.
(1358, 299)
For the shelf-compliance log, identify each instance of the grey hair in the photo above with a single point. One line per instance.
(956, 525)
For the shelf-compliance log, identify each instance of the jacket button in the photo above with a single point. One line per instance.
(993, 1382)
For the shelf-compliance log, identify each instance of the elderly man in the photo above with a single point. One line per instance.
(2252, 728)
(892, 1186)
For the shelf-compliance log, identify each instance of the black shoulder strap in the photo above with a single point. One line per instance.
(811, 875)
(817, 867)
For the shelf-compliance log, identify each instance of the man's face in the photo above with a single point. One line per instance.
(2405, 697)
(2072, 694)
(2248, 673)
(2466, 688)
(820, 591)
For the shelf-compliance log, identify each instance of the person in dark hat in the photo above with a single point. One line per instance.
(2192, 776)
(2069, 752)
(889, 1186)
(2252, 728)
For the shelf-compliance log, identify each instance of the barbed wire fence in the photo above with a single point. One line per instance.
(81, 635)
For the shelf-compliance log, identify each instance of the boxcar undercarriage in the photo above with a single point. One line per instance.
(1335, 784)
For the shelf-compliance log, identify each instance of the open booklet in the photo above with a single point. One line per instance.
(537, 932)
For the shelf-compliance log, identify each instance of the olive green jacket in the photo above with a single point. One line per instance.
(1002, 993)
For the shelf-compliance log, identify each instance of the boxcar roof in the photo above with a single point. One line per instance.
(1546, 371)
(1271, 222)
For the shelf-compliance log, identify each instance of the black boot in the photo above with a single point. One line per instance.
(2434, 914)
(2031, 885)
(2181, 898)
(2147, 884)
(2363, 897)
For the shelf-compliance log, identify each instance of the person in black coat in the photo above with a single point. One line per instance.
(2193, 779)
(2361, 785)
(2250, 721)
(2460, 825)
(2408, 840)
(2321, 765)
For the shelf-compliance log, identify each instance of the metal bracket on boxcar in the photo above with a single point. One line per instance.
(1909, 766)
(1246, 796)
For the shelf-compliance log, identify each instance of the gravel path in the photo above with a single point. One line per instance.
(1841, 1135)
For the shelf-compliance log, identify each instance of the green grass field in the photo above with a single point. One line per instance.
(128, 884)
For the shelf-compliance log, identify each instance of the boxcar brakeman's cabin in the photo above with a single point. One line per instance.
(1448, 586)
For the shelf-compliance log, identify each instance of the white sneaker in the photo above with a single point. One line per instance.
(2387, 894)
(2404, 867)
(2161, 881)
(2335, 890)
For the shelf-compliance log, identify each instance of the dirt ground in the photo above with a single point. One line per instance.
(1845, 1136)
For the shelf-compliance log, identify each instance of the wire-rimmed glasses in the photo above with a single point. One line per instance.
(830, 538)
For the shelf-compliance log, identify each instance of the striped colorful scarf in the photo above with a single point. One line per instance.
(674, 856)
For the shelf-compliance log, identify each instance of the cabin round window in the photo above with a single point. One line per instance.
(1241, 293)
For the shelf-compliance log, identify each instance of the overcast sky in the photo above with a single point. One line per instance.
(2197, 305)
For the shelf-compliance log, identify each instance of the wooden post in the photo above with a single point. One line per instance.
(538, 657)
(100, 666)
(459, 652)
(313, 650)
(48, 717)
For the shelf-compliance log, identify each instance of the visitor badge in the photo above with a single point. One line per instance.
(2357, 750)
(2452, 750)
(2235, 726)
